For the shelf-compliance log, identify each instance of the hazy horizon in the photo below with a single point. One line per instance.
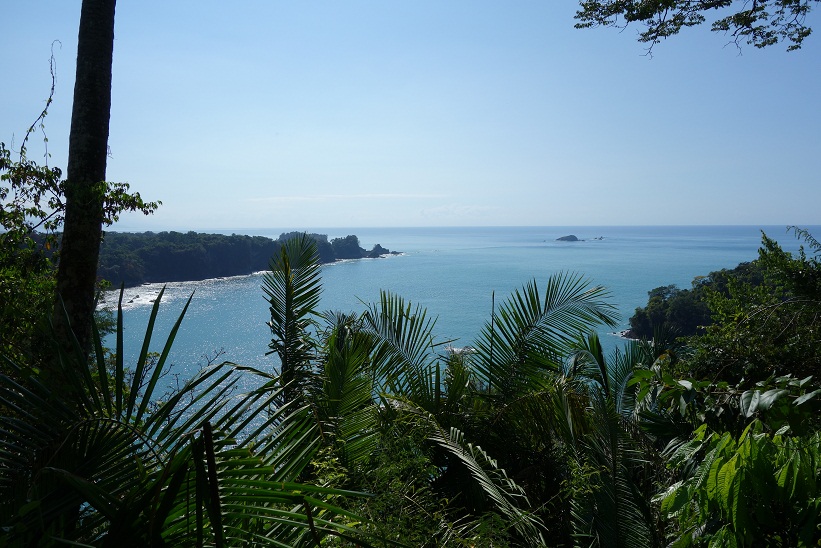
(120, 227)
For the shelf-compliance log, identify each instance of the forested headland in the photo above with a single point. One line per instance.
(686, 311)
(135, 258)
(757, 320)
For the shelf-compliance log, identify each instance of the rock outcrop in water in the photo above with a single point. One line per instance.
(568, 238)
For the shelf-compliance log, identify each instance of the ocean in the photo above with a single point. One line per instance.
(452, 272)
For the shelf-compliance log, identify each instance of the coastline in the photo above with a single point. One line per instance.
(134, 259)
(240, 275)
(133, 297)
(452, 274)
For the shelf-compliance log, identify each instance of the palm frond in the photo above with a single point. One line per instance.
(345, 401)
(293, 287)
(456, 400)
(207, 465)
(614, 511)
(587, 362)
(530, 336)
(403, 361)
(621, 367)
(506, 496)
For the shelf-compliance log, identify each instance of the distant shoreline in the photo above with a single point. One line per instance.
(134, 259)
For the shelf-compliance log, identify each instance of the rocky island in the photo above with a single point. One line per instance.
(568, 238)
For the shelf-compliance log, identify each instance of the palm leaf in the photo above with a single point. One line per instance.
(615, 511)
(403, 345)
(530, 335)
(345, 402)
(506, 496)
(293, 287)
(92, 473)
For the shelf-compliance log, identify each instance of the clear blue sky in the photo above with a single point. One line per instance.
(427, 113)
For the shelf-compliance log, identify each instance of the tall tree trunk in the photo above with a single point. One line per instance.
(87, 155)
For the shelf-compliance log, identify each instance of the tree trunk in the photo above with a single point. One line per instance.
(87, 155)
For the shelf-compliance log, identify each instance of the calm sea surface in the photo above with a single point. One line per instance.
(452, 272)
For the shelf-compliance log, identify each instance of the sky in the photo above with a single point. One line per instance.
(336, 113)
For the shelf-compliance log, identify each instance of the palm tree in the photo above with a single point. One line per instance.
(362, 376)
(293, 288)
(513, 404)
(614, 455)
(104, 462)
(562, 419)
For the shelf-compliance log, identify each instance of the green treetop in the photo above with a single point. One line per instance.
(760, 23)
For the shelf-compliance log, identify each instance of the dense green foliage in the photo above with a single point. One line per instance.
(492, 445)
(767, 330)
(531, 437)
(686, 311)
(762, 23)
(758, 488)
(173, 256)
(135, 258)
(26, 272)
(31, 211)
(108, 460)
(754, 321)
(374, 432)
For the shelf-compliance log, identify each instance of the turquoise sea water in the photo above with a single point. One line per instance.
(452, 272)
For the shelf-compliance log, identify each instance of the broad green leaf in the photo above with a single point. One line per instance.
(806, 397)
(748, 403)
(676, 496)
(769, 397)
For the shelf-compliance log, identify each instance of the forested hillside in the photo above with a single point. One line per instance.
(686, 311)
(756, 320)
(135, 258)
